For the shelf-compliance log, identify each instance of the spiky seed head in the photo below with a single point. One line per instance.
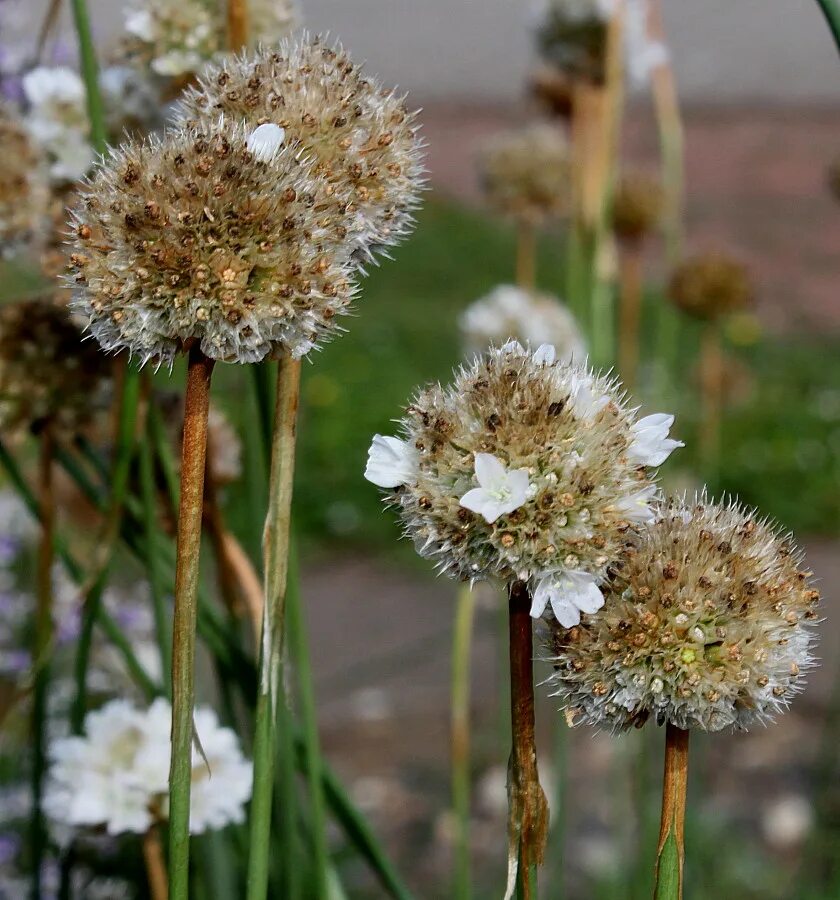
(362, 139)
(709, 623)
(529, 317)
(191, 237)
(526, 174)
(571, 35)
(49, 375)
(710, 286)
(637, 207)
(566, 427)
(24, 191)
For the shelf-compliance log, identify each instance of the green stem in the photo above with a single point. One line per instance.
(670, 853)
(90, 75)
(831, 11)
(194, 450)
(276, 563)
(299, 645)
(461, 653)
(557, 834)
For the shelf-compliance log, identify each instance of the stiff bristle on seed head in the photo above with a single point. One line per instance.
(362, 139)
(523, 469)
(49, 375)
(24, 193)
(710, 286)
(708, 623)
(637, 207)
(526, 174)
(199, 237)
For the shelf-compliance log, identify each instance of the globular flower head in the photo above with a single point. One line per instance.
(24, 195)
(203, 235)
(572, 36)
(175, 38)
(362, 139)
(527, 174)
(710, 286)
(523, 468)
(529, 317)
(49, 375)
(708, 623)
(637, 207)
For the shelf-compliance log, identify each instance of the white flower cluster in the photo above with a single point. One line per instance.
(529, 317)
(116, 776)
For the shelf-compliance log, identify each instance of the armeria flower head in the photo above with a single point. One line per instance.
(571, 35)
(711, 285)
(48, 374)
(526, 174)
(116, 776)
(637, 207)
(24, 194)
(523, 469)
(197, 237)
(708, 623)
(363, 140)
(529, 317)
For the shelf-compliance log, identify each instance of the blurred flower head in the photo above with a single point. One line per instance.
(708, 623)
(526, 174)
(196, 236)
(529, 317)
(637, 207)
(49, 375)
(710, 286)
(571, 35)
(362, 140)
(523, 469)
(116, 775)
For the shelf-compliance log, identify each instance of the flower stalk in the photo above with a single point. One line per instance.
(193, 461)
(526, 256)
(461, 654)
(831, 11)
(630, 309)
(527, 806)
(711, 382)
(276, 570)
(237, 24)
(670, 853)
(155, 864)
(90, 75)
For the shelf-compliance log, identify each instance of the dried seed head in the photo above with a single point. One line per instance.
(24, 193)
(571, 35)
(510, 312)
(637, 207)
(710, 286)
(49, 375)
(523, 468)
(191, 237)
(527, 174)
(727, 649)
(363, 141)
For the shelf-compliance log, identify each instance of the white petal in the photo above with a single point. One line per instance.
(565, 612)
(539, 601)
(478, 501)
(545, 355)
(519, 485)
(489, 470)
(391, 462)
(265, 140)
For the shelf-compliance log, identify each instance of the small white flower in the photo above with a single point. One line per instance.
(391, 462)
(651, 445)
(585, 401)
(501, 491)
(545, 355)
(59, 85)
(265, 140)
(569, 593)
(139, 23)
(636, 506)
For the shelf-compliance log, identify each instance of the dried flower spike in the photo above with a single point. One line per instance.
(708, 623)
(637, 207)
(48, 374)
(362, 139)
(524, 469)
(24, 195)
(527, 174)
(711, 286)
(531, 318)
(202, 235)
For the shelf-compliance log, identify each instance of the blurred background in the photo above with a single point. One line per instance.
(759, 83)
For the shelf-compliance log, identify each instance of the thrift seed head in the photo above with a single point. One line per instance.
(527, 174)
(710, 286)
(708, 623)
(192, 237)
(572, 36)
(561, 466)
(48, 373)
(637, 207)
(362, 140)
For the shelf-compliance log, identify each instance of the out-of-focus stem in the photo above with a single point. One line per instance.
(630, 310)
(461, 654)
(90, 75)
(527, 806)
(193, 457)
(670, 853)
(526, 256)
(237, 22)
(711, 384)
(831, 11)
(43, 635)
(276, 570)
(155, 864)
